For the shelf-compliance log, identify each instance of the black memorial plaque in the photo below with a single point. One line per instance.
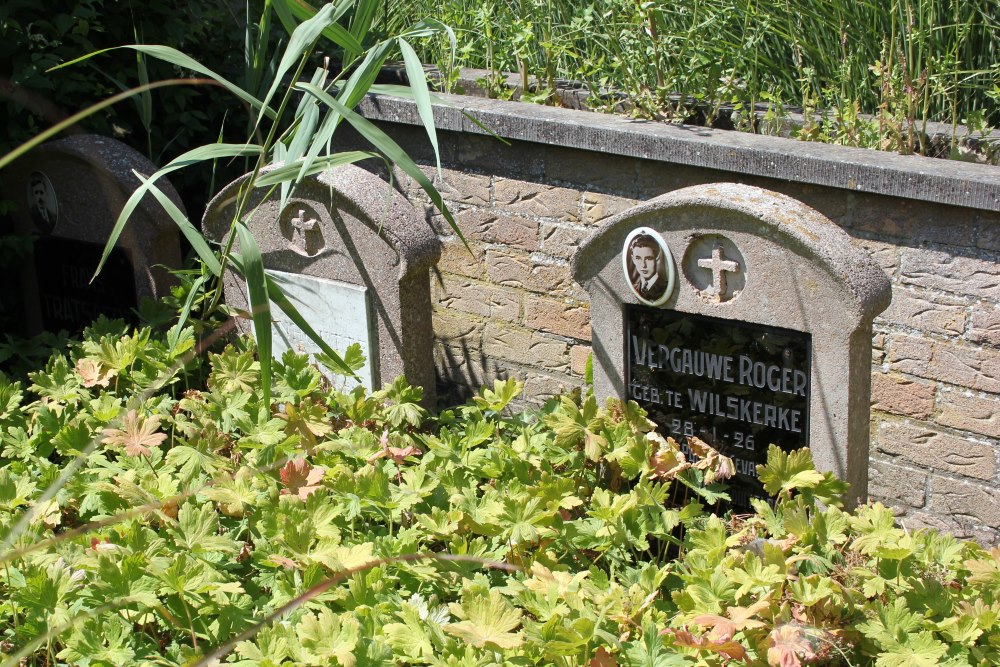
(67, 298)
(738, 386)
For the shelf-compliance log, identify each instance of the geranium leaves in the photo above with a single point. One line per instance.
(300, 479)
(362, 502)
(487, 621)
(136, 435)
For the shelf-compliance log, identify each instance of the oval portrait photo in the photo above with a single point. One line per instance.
(648, 265)
(42, 202)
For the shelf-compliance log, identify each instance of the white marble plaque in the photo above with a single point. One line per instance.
(337, 311)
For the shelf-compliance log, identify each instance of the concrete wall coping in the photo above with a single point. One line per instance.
(952, 182)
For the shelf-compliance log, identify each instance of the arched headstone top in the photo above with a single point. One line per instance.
(385, 228)
(68, 194)
(354, 257)
(774, 218)
(740, 316)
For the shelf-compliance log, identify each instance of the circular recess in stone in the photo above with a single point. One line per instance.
(714, 267)
(301, 226)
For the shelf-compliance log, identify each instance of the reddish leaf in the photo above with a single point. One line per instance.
(397, 454)
(788, 646)
(668, 460)
(730, 649)
(603, 659)
(300, 478)
(92, 374)
(137, 435)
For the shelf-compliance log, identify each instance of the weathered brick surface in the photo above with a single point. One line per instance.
(597, 207)
(462, 373)
(477, 298)
(902, 396)
(535, 199)
(886, 255)
(494, 227)
(985, 326)
(521, 270)
(977, 368)
(657, 178)
(970, 411)
(562, 240)
(564, 317)
(457, 330)
(878, 348)
(539, 387)
(966, 502)
(909, 353)
(491, 156)
(461, 188)
(942, 270)
(987, 234)
(456, 258)
(963, 528)
(951, 362)
(923, 447)
(525, 347)
(902, 489)
(578, 355)
(935, 313)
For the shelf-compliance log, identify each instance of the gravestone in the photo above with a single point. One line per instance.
(68, 194)
(742, 317)
(354, 257)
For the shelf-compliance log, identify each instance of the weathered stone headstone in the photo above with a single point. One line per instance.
(765, 337)
(68, 195)
(354, 257)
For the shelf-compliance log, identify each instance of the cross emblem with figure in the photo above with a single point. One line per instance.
(719, 266)
(305, 237)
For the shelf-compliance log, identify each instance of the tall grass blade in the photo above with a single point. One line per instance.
(422, 97)
(299, 45)
(200, 154)
(175, 331)
(292, 170)
(260, 305)
(175, 57)
(289, 10)
(190, 232)
(390, 149)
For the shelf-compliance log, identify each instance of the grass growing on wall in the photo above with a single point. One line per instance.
(905, 62)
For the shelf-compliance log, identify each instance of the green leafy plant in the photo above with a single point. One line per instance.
(355, 528)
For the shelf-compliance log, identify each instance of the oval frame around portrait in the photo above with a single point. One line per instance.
(664, 266)
(43, 207)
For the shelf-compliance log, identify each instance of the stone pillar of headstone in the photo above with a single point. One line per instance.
(68, 193)
(354, 257)
(741, 316)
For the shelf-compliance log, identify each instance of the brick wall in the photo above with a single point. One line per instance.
(510, 308)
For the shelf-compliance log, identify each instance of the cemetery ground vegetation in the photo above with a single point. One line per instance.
(869, 74)
(171, 497)
(156, 510)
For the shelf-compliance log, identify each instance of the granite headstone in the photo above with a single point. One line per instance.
(68, 194)
(742, 317)
(354, 257)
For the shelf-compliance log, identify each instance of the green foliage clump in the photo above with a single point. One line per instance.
(149, 517)
(903, 63)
